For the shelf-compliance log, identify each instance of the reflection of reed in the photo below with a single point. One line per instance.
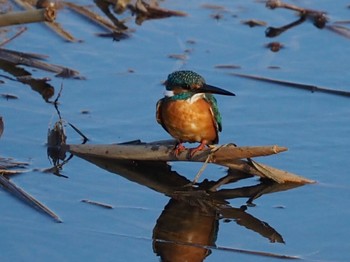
(38, 85)
(187, 228)
(10, 62)
(276, 31)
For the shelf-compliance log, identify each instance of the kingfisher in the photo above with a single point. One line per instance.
(189, 112)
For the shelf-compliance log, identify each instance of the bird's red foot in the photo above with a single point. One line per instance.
(198, 148)
(178, 149)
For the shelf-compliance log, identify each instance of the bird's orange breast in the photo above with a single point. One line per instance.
(189, 121)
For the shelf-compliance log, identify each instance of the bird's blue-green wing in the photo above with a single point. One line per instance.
(215, 110)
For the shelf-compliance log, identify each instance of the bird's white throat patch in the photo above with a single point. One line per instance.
(168, 93)
(195, 97)
(192, 99)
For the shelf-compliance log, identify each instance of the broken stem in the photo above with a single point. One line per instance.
(29, 16)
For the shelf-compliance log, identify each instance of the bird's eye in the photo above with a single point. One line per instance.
(196, 86)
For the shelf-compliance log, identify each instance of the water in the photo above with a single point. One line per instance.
(313, 219)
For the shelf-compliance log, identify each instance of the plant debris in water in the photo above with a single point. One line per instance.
(6, 169)
(27, 198)
(97, 203)
(253, 22)
(318, 18)
(228, 66)
(34, 60)
(9, 96)
(308, 87)
(10, 61)
(274, 46)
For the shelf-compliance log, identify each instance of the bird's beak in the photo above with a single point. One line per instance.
(213, 90)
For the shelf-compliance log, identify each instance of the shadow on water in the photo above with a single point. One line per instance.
(187, 228)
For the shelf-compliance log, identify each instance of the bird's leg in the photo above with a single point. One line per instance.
(198, 148)
(179, 147)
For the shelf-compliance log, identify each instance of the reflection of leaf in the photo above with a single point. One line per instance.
(39, 85)
(255, 191)
(250, 222)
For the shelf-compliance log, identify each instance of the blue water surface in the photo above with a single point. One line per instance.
(122, 86)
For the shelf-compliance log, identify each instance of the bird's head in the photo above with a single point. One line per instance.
(188, 81)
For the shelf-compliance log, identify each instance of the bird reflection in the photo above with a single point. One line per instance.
(187, 228)
(184, 232)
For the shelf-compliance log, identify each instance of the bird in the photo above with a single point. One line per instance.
(189, 111)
